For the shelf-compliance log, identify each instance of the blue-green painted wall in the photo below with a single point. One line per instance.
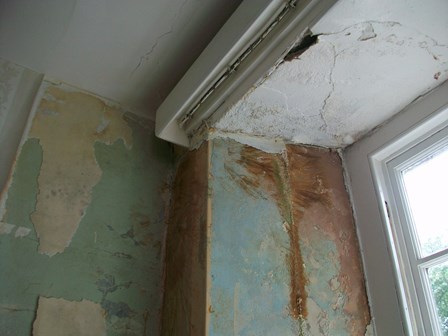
(115, 257)
(284, 258)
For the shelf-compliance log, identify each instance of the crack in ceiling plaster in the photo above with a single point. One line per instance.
(353, 79)
(147, 55)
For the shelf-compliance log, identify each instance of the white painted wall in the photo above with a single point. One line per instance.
(381, 285)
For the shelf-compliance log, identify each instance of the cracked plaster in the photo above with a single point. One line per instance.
(370, 61)
(131, 53)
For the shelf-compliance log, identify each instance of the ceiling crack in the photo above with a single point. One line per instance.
(331, 81)
(390, 23)
(148, 54)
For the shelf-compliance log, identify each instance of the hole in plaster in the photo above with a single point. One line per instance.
(307, 41)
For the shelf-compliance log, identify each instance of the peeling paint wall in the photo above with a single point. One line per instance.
(184, 306)
(83, 218)
(284, 258)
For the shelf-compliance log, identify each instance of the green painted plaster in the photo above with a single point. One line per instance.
(115, 257)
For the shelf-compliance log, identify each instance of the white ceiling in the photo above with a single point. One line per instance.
(372, 58)
(130, 51)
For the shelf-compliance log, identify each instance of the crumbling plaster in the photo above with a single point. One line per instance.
(370, 61)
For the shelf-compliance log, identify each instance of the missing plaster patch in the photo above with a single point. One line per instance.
(69, 169)
(305, 43)
(6, 228)
(22, 232)
(69, 318)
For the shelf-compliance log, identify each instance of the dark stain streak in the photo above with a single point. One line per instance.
(122, 255)
(15, 310)
(118, 309)
(272, 173)
(249, 185)
(130, 234)
(107, 285)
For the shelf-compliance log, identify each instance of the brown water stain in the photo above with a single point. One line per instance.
(269, 172)
(329, 217)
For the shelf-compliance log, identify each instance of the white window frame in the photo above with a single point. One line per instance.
(386, 165)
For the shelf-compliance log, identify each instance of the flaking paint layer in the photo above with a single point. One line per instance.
(295, 207)
(336, 288)
(67, 125)
(115, 257)
(249, 248)
(73, 318)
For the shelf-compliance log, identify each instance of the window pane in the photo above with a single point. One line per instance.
(427, 189)
(438, 277)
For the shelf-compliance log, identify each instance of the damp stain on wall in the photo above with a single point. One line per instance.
(115, 255)
(283, 243)
(336, 289)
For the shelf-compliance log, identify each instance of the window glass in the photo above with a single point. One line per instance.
(426, 185)
(438, 278)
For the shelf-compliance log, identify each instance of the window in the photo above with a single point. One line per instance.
(411, 176)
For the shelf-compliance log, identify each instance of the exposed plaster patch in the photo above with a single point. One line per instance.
(6, 228)
(69, 169)
(71, 318)
(22, 232)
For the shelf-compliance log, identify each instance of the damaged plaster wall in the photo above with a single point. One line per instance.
(62, 317)
(371, 60)
(284, 257)
(84, 215)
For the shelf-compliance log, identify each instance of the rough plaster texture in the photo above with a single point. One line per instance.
(284, 257)
(371, 60)
(184, 303)
(69, 168)
(131, 53)
(115, 255)
(62, 317)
